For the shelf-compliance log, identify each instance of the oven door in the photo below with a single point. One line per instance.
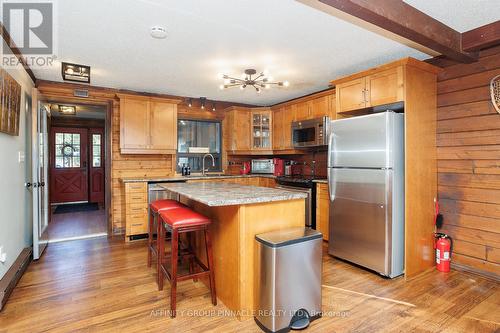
(309, 203)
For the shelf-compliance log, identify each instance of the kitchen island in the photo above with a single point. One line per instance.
(238, 213)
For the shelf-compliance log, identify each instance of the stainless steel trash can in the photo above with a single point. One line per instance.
(288, 279)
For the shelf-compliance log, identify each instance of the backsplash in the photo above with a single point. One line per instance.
(234, 162)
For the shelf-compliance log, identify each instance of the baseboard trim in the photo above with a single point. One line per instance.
(484, 274)
(13, 275)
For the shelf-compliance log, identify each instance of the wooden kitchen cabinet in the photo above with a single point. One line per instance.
(134, 124)
(278, 142)
(288, 115)
(148, 125)
(136, 209)
(322, 210)
(239, 129)
(351, 95)
(163, 126)
(302, 111)
(261, 129)
(321, 106)
(381, 87)
(385, 87)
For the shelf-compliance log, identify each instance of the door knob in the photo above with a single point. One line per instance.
(42, 184)
(27, 185)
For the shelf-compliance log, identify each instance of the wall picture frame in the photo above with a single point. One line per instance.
(10, 104)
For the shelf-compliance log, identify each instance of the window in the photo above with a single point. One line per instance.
(96, 150)
(67, 150)
(194, 139)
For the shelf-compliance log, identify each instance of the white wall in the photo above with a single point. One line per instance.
(15, 215)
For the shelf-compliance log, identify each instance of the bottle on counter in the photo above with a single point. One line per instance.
(188, 170)
(184, 169)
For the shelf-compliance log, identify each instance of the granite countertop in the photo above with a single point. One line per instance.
(322, 181)
(185, 178)
(222, 194)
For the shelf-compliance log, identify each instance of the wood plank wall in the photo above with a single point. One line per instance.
(468, 138)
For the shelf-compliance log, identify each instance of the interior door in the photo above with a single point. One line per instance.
(40, 152)
(68, 165)
(96, 165)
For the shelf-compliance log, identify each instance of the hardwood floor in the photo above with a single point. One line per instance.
(77, 224)
(103, 285)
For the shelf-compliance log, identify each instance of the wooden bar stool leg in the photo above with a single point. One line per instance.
(173, 273)
(161, 253)
(190, 240)
(208, 247)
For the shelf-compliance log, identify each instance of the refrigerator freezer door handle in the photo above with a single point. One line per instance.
(330, 149)
(331, 181)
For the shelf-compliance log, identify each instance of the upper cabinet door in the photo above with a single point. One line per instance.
(385, 87)
(288, 116)
(134, 124)
(321, 106)
(163, 126)
(241, 129)
(351, 95)
(261, 130)
(302, 111)
(278, 129)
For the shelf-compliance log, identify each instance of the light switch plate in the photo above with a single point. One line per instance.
(21, 157)
(3, 256)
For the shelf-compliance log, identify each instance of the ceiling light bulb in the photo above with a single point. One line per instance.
(158, 32)
(267, 86)
(222, 86)
(242, 87)
(269, 78)
(286, 83)
(220, 76)
(70, 71)
(258, 90)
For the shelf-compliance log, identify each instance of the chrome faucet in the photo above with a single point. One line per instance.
(203, 166)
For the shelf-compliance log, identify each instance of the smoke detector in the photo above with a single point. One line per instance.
(158, 32)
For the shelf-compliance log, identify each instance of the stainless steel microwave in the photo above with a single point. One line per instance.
(310, 133)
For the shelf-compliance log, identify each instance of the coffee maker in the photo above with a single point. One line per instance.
(279, 167)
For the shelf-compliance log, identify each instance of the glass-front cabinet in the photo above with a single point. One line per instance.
(261, 129)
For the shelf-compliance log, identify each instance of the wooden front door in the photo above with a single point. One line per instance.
(96, 165)
(68, 165)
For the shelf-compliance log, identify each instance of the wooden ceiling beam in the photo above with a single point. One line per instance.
(408, 22)
(480, 38)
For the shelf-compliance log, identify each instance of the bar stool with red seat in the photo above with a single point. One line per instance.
(154, 208)
(178, 221)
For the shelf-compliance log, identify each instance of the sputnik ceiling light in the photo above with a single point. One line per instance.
(250, 78)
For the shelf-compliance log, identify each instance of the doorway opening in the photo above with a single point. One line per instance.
(77, 171)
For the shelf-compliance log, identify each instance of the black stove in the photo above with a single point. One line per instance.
(304, 181)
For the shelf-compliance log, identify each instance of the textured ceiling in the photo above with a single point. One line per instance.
(461, 15)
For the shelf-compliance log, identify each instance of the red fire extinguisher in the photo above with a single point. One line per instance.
(443, 252)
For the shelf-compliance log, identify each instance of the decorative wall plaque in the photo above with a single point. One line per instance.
(10, 104)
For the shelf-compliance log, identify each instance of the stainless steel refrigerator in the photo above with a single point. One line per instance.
(366, 184)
